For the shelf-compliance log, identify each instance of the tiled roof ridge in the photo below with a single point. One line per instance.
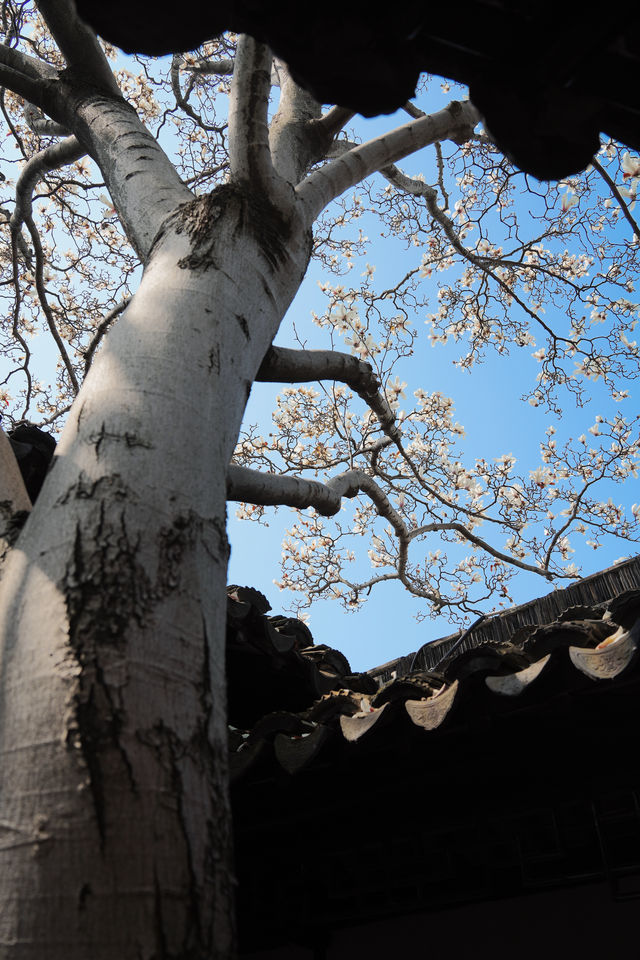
(273, 663)
(590, 597)
(550, 660)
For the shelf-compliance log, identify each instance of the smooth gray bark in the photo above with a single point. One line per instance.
(113, 780)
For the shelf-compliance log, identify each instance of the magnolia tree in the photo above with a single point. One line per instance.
(159, 218)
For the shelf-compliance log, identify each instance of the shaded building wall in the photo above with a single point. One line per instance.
(585, 922)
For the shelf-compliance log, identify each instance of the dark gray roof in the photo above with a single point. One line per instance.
(298, 698)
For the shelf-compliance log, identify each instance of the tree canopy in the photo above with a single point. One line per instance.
(492, 260)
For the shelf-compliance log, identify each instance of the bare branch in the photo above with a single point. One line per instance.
(249, 152)
(595, 163)
(218, 68)
(420, 189)
(22, 247)
(413, 111)
(29, 66)
(42, 125)
(270, 489)
(46, 308)
(484, 545)
(101, 329)
(334, 120)
(78, 44)
(25, 86)
(302, 366)
(182, 99)
(454, 122)
(57, 155)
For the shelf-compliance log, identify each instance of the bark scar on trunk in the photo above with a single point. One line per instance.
(130, 439)
(105, 589)
(255, 214)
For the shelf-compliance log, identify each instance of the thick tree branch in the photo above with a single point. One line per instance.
(218, 68)
(25, 86)
(454, 122)
(29, 66)
(51, 158)
(297, 136)
(270, 489)
(302, 366)
(78, 44)
(249, 152)
(46, 308)
(15, 321)
(143, 183)
(413, 111)
(334, 120)
(42, 125)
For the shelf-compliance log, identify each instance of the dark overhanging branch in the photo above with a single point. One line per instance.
(25, 86)
(78, 43)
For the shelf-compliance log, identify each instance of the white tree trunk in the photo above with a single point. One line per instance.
(114, 830)
(112, 612)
